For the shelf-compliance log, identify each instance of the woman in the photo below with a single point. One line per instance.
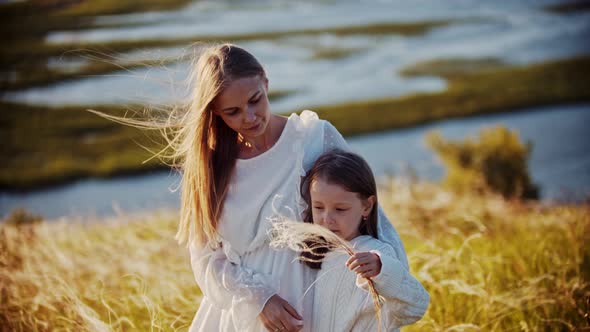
(241, 168)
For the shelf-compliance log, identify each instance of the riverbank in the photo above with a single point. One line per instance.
(473, 88)
(27, 55)
(49, 146)
(479, 257)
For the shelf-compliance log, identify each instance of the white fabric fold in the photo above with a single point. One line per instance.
(239, 277)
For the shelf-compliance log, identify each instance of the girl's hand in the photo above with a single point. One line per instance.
(279, 316)
(365, 264)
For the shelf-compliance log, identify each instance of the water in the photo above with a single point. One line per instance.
(560, 160)
(519, 32)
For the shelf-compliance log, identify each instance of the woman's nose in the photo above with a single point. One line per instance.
(250, 114)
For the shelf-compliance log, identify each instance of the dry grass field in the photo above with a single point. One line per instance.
(489, 264)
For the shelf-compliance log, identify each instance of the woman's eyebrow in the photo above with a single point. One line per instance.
(256, 94)
(230, 109)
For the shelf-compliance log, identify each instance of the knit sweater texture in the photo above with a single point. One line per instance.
(342, 301)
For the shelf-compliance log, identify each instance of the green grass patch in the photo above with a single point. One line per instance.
(468, 93)
(45, 146)
(274, 95)
(40, 74)
(49, 146)
(117, 7)
(26, 53)
(451, 68)
(30, 21)
(25, 25)
(34, 50)
(333, 53)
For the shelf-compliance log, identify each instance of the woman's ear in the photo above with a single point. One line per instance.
(265, 80)
(213, 108)
(368, 205)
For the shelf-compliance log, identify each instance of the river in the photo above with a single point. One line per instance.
(559, 163)
(514, 32)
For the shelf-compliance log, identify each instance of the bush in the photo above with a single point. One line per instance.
(21, 216)
(496, 161)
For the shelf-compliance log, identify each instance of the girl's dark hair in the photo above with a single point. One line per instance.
(349, 171)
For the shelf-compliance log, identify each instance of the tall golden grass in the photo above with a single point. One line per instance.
(109, 275)
(489, 265)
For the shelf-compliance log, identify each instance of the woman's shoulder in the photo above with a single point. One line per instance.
(320, 136)
(307, 120)
(310, 122)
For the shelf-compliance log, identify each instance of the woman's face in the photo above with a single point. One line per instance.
(337, 209)
(243, 106)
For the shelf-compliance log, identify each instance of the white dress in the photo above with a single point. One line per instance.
(237, 279)
(342, 301)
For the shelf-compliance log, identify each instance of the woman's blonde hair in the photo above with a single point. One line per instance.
(198, 142)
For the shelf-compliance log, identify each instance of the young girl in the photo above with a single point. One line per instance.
(341, 196)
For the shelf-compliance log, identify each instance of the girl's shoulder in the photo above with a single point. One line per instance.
(367, 243)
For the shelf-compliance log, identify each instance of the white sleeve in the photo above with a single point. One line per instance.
(333, 139)
(387, 233)
(406, 300)
(230, 286)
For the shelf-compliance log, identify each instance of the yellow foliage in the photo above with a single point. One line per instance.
(489, 264)
(496, 160)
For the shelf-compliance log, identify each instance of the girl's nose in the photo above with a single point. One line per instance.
(328, 220)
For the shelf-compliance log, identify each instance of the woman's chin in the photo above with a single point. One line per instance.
(259, 130)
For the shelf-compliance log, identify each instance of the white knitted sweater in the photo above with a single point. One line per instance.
(342, 301)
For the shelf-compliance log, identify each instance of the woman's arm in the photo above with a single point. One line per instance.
(229, 286)
(243, 292)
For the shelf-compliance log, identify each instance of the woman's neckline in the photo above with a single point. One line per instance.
(273, 147)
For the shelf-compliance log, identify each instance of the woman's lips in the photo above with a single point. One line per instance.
(254, 127)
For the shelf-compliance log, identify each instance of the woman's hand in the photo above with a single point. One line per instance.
(366, 264)
(278, 315)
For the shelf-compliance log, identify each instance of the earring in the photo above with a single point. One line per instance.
(364, 218)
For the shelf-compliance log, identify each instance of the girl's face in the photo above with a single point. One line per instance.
(243, 106)
(337, 209)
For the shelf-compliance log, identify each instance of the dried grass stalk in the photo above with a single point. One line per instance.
(316, 241)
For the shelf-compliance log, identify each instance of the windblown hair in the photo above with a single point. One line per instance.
(198, 142)
(349, 171)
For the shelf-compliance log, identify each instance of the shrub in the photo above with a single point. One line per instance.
(20, 216)
(496, 160)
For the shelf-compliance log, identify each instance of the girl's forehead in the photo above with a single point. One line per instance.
(322, 187)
